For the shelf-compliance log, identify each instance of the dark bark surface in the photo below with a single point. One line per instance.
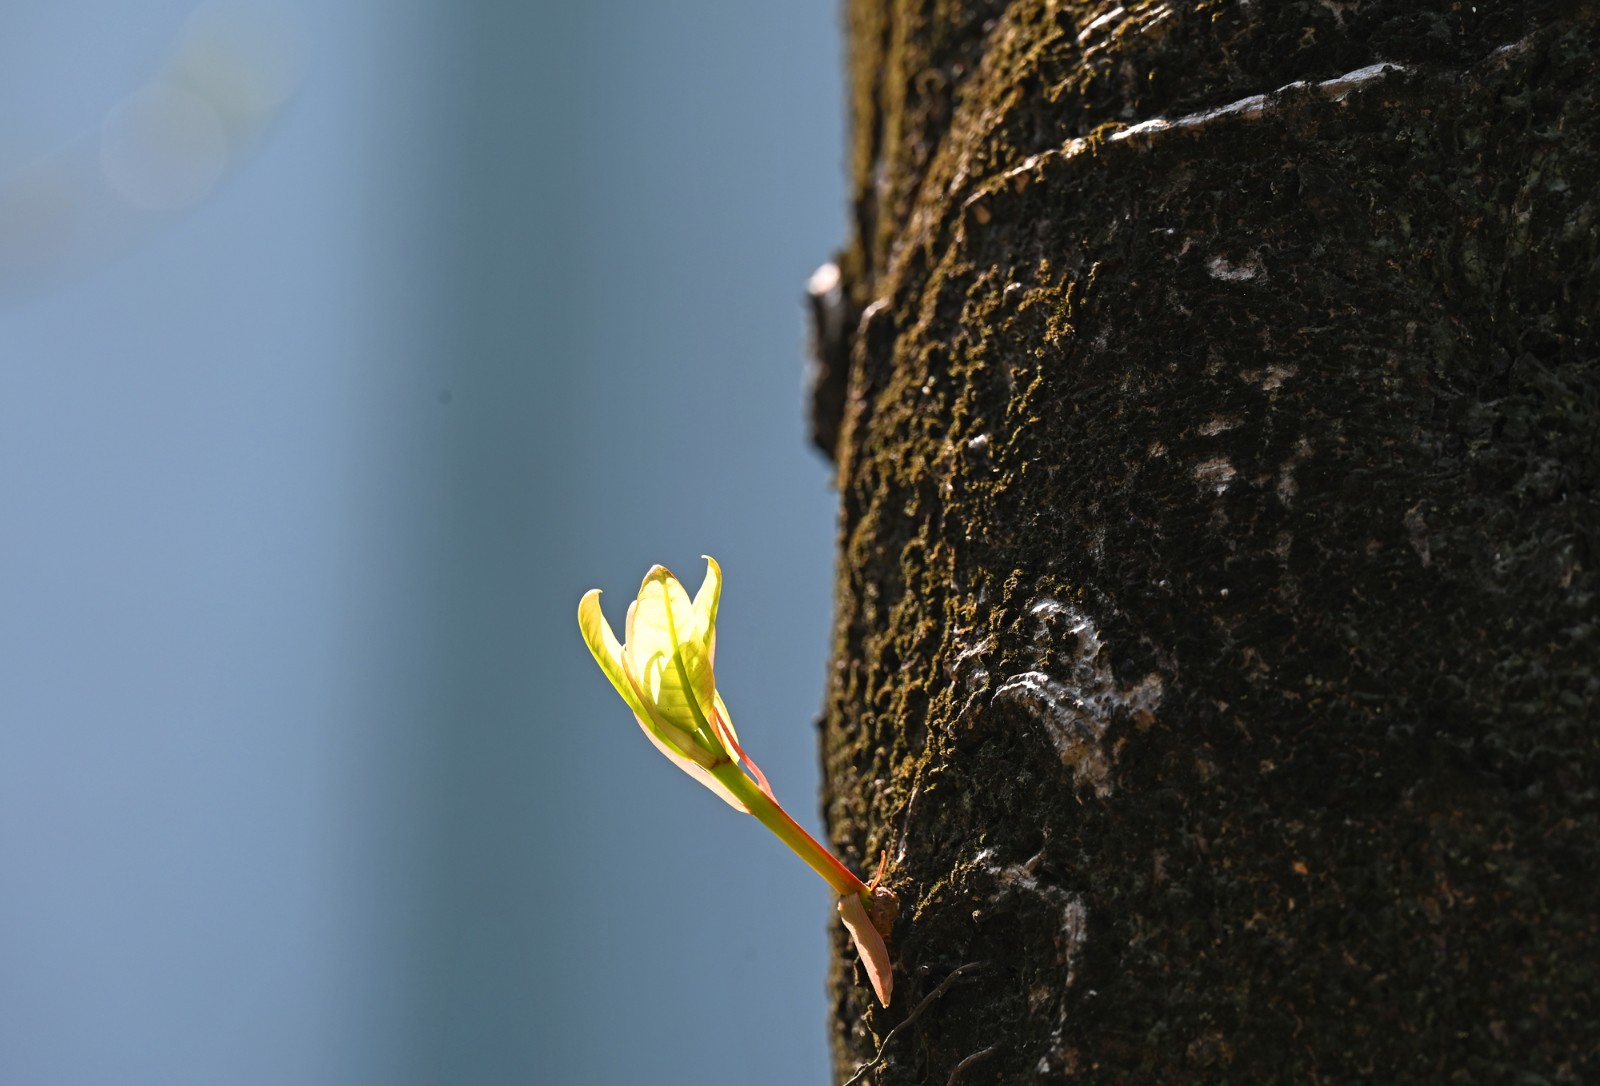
(1216, 653)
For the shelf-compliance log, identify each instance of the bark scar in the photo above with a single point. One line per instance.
(1077, 704)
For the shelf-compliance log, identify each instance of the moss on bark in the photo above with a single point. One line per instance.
(1216, 650)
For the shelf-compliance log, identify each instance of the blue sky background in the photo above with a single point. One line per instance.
(305, 775)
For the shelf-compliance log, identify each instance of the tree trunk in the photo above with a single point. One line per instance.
(1216, 652)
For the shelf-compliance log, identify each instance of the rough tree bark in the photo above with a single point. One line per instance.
(1216, 652)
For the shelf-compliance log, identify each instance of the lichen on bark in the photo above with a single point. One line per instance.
(1216, 651)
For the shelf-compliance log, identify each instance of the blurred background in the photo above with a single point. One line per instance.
(342, 346)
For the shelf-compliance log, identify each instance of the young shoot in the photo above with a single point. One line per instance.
(664, 671)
